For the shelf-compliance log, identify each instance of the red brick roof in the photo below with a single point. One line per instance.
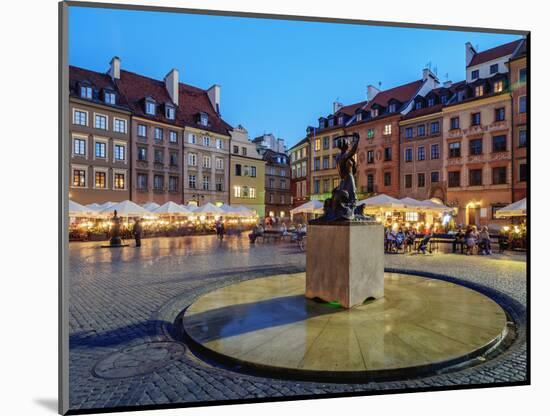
(192, 100)
(97, 80)
(494, 53)
(401, 93)
(350, 109)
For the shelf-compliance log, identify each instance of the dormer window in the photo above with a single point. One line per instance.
(443, 99)
(374, 112)
(321, 124)
(418, 105)
(475, 74)
(340, 120)
(150, 107)
(431, 102)
(478, 92)
(392, 108)
(170, 112)
(498, 86)
(86, 92)
(359, 117)
(330, 122)
(109, 97)
(203, 119)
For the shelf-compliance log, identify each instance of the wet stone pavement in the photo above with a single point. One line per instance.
(123, 302)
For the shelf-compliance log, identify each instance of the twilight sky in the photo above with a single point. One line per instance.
(276, 76)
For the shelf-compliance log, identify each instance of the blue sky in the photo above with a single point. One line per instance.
(276, 76)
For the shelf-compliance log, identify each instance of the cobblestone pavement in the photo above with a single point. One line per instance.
(123, 301)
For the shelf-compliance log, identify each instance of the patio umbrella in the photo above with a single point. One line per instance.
(310, 207)
(95, 206)
(411, 202)
(151, 206)
(208, 209)
(229, 210)
(382, 201)
(106, 205)
(77, 210)
(171, 208)
(126, 209)
(516, 209)
(189, 207)
(429, 204)
(243, 211)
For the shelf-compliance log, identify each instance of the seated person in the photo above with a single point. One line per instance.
(424, 243)
(257, 231)
(399, 239)
(459, 240)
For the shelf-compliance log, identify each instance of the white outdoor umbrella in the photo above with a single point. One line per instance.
(311, 207)
(411, 202)
(95, 206)
(429, 204)
(515, 209)
(106, 205)
(244, 211)
(382, 201)
(189, 207)
(126, 209)
(171, 208)
(151, 206)
(229, 210)
(77, 210)
(208, 209)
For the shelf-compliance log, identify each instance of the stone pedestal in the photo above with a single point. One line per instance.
(345, 262)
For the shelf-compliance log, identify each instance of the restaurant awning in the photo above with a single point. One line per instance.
(382, 201)
(208, 209)
(126, 209)
(151, 206)
(171, 208)
(516, 209)
(78, 210)
(310, 207)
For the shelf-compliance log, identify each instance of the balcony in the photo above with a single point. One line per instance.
(454, 133)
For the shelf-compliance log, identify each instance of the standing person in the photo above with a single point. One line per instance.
(485, 241)
(137, 232)
(222, 230)
(470, 239)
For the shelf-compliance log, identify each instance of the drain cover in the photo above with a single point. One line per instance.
(138, 360)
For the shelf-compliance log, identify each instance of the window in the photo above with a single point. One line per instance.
(476, 177)
(421, 153)
(522, 138)
(173, 183)
(409, 132)
(387, 178)
(359, 116)
(421, 180)
(191, 138)
(411, 216)
(499, 143)
(79, 147)
(150, 107)
(421, 130)
(173, 136)
(219, 163)
(142, 153)
(238, 169)
(219, 183)
(86, 92)
(237, 191)
(79, 178)
(434, 127)
(499, 114)
(100, 149)
(271, 183)
(282, 184)
(317, 144)
(100, 180)
(159, 133)
(387, 154)
(326, 185)
(454, 179)
(454, 149)
(523, 104)
(326, 142)
(192, 181)
(475, 74)
(434, 151)
(478, 91)
(321, 124)
(170, 112)
(370, 133)
(387, 129)
(100, 122)
(120, 152)
(330, 122)
(204, 119)
(418, 105)
(443, 99)
(173, 159)
(119, 125)
(142, 130)
(431, 102)
(219, 145)
(476, 119)
(142, 180)
(316, 186)
(523, 172)
(192, 159)
(493, 69)
(374, 112)
(455, 123)
(370, 183)
(325, 162)
(408, 154)
(498, 86)
(476, 147)
(341, 120)
(523, 74)
(158, 182)
(206, 162)
(206, 141)
(120, 181)
(317, 163)
(109, 97)
(499, 175)
(159, 156)
(80, 118)
(253, 171)
(408, 181)
(271, 198)
(370, 156)
(392, 108)
(434, 177)
(206, 182)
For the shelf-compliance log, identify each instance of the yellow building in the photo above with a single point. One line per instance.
(247, 173)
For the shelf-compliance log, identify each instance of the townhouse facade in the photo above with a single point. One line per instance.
(247, 173)
(277, 185)
(99, 139)
(299, 172)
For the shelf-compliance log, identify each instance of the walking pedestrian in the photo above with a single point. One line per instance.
(137, 232)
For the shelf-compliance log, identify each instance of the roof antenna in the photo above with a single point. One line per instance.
(379, 84)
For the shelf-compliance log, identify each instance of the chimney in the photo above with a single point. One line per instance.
(336, 106)
(214, 95)
(371, 92)
(470, 53)
(114, 69)
(171, 81)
